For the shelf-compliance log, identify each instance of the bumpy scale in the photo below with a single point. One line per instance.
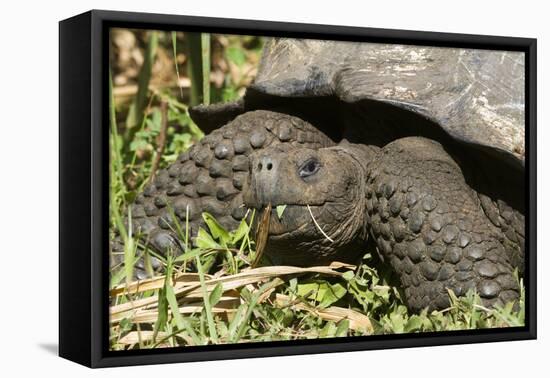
(210, 178)
(429, 225)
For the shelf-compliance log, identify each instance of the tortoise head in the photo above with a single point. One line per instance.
(323, 195)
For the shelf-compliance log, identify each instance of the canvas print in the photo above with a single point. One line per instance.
(268, 189)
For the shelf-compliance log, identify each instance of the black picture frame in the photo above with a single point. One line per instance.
(83, 196)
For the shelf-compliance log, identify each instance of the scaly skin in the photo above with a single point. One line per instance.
(209, 178)
(429, 225)
(410, 195)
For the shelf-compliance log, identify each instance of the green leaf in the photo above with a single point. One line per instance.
(173, 303)
(154, 122)
(293, 284)
(397, 322)
(229, 94)
(342, 329)
(204, 240)
(126, 324)
(414, 324)
(138, 144)
(180, 143)
(216, 230)
(189, 255)
(333, 294)
(288, 317)
(162, 311)
(236, 55)
(240, 233)
(349, 275)
(304, 289)
(280, 210)
(216, 294)
(323, 292)
(223, 330)
(329, 330)
(236, 321)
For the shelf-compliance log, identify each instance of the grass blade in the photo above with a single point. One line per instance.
(174, 51)
(254, 301)
(198, 51)
(137, 109)
(129, 251)
(207, 306)
(205, 52)
(181, 322)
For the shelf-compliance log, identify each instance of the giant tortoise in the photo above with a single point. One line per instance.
(415, 150)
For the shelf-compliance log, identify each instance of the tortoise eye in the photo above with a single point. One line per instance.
(309, 168)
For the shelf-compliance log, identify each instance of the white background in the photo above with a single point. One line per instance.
(29, 186)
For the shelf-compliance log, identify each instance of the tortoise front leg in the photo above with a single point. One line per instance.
(429, 225)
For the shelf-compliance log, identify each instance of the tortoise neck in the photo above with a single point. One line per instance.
(360, 156)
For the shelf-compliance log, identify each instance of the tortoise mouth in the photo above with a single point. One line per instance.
(294, 223)
(293, 220)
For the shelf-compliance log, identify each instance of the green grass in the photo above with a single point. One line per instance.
(278, 306)
(211, 294)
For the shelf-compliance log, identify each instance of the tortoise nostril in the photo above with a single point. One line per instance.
(265, 163)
